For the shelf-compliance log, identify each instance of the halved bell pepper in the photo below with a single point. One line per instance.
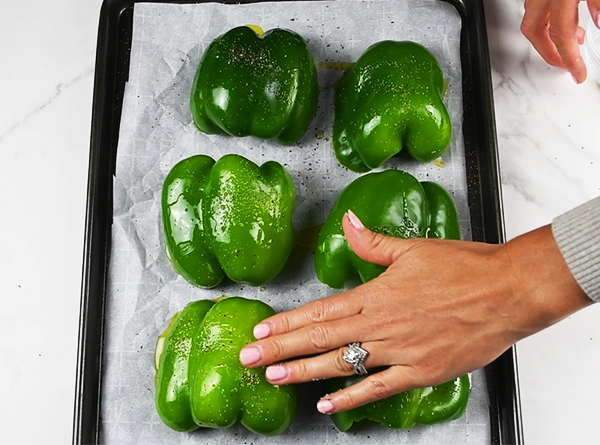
(422, 406)
(391, 98)
(249, 83)
(391, 202)
(200, 381)
(228, 218)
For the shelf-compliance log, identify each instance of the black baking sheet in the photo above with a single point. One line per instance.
(112, 69)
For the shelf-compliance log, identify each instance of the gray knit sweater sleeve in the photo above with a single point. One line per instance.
(577, 234)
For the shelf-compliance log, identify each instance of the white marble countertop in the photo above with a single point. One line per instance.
(549, 156)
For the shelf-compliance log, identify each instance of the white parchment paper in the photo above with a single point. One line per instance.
(157, 131)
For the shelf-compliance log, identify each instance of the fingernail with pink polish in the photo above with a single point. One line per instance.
(356, 223)
(276, 372)
(261, 331)
(575, 79)
(249, 356)
(325, 406)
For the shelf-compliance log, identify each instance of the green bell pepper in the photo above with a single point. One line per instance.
(228, 218)
(200, 381)
(248, 83)
(391, 202)
(423, 406)
(394, 203)
(390, 98)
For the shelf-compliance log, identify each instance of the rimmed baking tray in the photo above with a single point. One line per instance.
(111, 75)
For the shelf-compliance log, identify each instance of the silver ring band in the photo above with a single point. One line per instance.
(355, 355)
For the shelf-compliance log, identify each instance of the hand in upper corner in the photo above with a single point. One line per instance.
(552, 27)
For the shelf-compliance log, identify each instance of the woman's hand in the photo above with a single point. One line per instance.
(552, 26)
(441, 309)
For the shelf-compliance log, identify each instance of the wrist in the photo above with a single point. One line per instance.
(544, 288)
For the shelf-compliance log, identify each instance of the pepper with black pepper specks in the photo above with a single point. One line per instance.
(200, 381)
(390, 202)
(391, 98)
(254, 84)
(228, 218)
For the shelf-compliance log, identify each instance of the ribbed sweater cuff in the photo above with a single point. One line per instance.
(577, 233)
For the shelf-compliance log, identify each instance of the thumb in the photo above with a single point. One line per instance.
(370, 246)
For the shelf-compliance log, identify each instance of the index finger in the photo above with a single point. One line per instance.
(322, 310)
(535, 25)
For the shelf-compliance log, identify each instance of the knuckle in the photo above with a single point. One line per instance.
(529, 28)
(349, 399)
(565, 45)
(380, 322)
(526, 28)
(298, 369)
(377, 290)
(429, 372)
(284, 324)
(433, 372)
(318, 337)
(275, 349)
(379, 387)
(555, 34)
(376, 240)
(381, 249)
(317, 311)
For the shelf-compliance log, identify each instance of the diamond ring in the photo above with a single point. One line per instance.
(355, 355)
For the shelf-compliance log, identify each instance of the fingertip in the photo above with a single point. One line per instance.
(354, 221)
(354, 229)
(580, 73)
(325, 406)
(262, 330)
(250, 355)
(276, 373)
